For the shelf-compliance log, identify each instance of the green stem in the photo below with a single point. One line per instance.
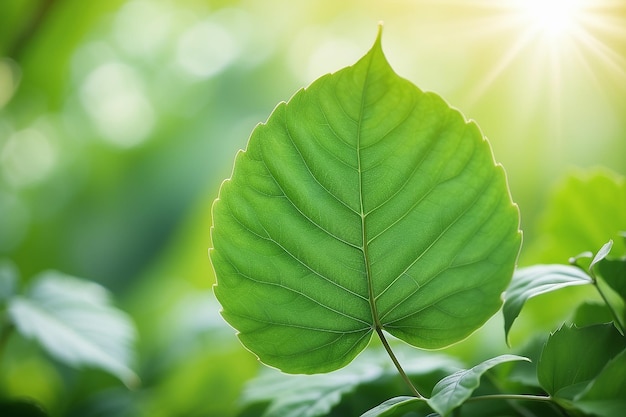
(403, 374)
(616, 318)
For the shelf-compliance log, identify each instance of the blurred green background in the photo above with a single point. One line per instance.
(119, 120)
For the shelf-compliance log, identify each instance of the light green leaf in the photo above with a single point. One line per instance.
(602, 253)
(605, 395)
(74, 322)
(306, 395)
(362, 204)
(535, 280)
(393, 407)
(573, 356)
(453, 390)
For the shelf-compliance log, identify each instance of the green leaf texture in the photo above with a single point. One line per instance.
(363, 203)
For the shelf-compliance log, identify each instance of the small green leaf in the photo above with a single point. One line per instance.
(363, 203)
(605, 396)
(535, 280)
(453, 390)
(73, 320)
(602, 253)
(393, 407)
(574, 356)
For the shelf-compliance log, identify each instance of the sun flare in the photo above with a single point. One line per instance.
(552, 18)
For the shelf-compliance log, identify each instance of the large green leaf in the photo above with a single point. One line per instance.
(362, 204)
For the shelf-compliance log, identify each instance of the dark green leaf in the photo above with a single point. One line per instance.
(362, 203)
(613, 272)
(605, 396)
(453, 390)
(536, 280)
(573, 356)
(73, 320)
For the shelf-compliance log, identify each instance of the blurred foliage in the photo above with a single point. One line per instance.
(119, 119)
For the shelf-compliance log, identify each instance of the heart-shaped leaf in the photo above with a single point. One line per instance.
(363, 204)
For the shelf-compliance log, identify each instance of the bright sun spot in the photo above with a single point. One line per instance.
(552, 18)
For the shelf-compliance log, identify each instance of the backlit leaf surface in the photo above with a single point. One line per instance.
(363, 203)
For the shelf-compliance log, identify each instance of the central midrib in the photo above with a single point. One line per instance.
(376, 325)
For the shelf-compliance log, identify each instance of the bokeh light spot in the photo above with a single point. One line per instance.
(206, 49)
(27, 158)
(114, 98)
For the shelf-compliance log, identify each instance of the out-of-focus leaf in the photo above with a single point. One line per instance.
(453, 390)
(393, 407)
(584, 211)
(316, 395)
(74, 321)
(573, 356)
(307, 396)
(605, 396)
(362, 203)
(536, 280)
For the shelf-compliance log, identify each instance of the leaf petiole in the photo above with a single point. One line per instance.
(395, 361)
